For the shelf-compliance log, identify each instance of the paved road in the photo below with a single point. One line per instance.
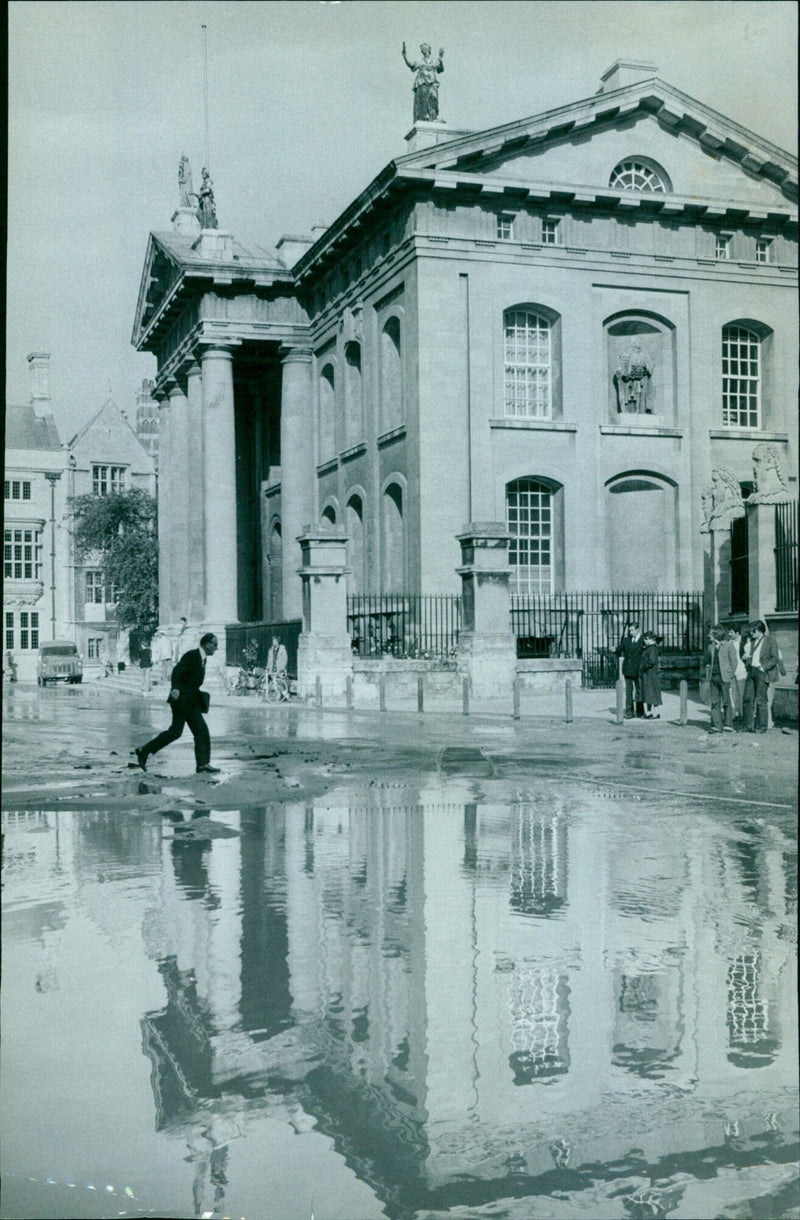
(70, 747)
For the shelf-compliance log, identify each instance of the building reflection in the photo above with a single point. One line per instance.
(438, 987)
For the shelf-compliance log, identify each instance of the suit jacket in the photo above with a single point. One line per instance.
(280, 660)
(769, 659)
(728, 657)
(631, 653)
(187, 678)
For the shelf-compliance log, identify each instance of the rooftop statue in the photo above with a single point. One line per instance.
(185, 182)
(722, 501)
(771, 486)
(206, 208)
(426, 86)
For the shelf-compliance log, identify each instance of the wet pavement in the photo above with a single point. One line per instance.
(395, 966)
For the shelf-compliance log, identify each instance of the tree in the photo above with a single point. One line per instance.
(120, 529)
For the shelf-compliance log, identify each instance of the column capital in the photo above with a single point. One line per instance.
(174, 388)
(217, 348)
(296, 355)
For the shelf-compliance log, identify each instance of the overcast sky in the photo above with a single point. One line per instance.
(308, 101)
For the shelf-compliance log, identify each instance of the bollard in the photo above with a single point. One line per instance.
(568, 695)
(465, 697)
(620, 700)
(348, 688)
(516, 698)
(382, 692)
(420, 693)
(318, 690)
(683, 690)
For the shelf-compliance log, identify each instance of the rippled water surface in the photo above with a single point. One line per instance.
(572, 1004)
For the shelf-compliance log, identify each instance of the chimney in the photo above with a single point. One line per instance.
(39, 364)
(627, 72)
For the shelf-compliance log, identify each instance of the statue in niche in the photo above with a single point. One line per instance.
(185, 182)
(722, 501)
(426, 86)
(770, 484)
(632, 380)
(206, 208)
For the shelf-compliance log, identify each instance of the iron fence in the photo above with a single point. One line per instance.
(589, 626)
(423, 626)
(786, 556)
(256, 639)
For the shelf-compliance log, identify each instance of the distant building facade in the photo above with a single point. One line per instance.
(564, 324)
(104, 457)
(35, 545)
(147, 420)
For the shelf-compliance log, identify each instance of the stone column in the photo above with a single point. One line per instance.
(219, 487)
(487, 647)
(297, 470)
(179, 508)
(762, 583)
(324, 647)
(718, 588)
(165, 609)
(196, 607)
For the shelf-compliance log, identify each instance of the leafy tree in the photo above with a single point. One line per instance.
(121, 530)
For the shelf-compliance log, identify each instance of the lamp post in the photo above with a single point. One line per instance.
(52, 477)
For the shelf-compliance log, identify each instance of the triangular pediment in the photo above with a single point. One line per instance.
(160, 277)
(701, 152)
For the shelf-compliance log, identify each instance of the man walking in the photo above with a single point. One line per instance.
(188, 703)
(630, 652)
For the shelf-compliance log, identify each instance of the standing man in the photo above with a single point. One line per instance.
(763, 668)
(188, 703)
(146, 665)
(630, 652)
(277, 658)
(721, 661)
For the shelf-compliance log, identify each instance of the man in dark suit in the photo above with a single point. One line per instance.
(763, 668)
(630, 651)
(187, 703)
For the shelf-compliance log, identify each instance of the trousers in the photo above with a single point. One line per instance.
(197, 727)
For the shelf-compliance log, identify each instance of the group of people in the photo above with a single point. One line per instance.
(638, 653)
(742, 669)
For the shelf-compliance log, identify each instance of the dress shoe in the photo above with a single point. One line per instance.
(141, 757)
(208, 769)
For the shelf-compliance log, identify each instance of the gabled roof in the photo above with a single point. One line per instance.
(172, 262)
(109, 406)
(467, 158)
(26, 430)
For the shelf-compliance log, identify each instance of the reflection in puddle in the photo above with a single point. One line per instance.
(452, 1003)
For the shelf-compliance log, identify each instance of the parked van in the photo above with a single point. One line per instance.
(59, 661)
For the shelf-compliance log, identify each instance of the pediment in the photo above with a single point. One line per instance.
(161, 274)
(702, 153)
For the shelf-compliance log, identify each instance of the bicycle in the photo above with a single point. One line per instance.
(276, 687)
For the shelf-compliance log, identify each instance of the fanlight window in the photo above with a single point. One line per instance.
(638, 176)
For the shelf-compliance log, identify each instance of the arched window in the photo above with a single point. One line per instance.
(353, 403)
(528, 364)
(529, 514)
(329, 515)
(327, 414)
(391, 376)
(741, 377)
(639, 174)
(275, 570)
(393, 567)
(354, 524)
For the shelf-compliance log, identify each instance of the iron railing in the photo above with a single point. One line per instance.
(415, 626)
(589, 626)
(786, 556)
(256, 639)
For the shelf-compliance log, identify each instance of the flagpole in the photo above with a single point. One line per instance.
(205, 89)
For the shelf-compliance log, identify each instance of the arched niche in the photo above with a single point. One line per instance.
(391, 374)
(641, 368)
(354, 526)
(329, 515)
(641, 532)
(275, 573)
(327, 413)
(393, 538)
(353, 415)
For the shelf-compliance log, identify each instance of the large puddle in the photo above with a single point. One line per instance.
(573, 1004)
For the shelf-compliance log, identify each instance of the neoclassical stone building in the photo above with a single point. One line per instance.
(564, 323)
